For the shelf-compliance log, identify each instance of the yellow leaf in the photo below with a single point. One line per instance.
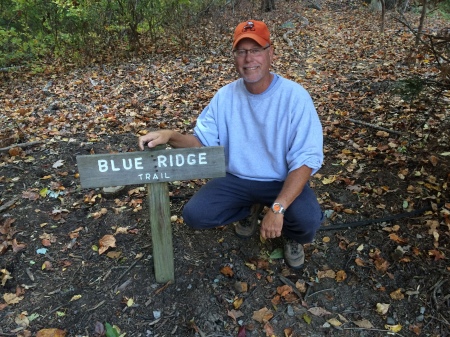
(130, 302)
(328, 180)
(393, 328)
(237, 303)
(10, 298)
(75, 298)
(334, 322)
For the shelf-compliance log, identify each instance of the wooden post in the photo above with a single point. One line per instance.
(161, 231)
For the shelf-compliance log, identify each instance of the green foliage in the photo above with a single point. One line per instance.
(41, 30)
(111, 331)
(410, 88)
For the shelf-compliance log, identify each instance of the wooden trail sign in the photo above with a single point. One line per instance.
(154, 168)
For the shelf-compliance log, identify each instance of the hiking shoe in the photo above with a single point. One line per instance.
(247, 227)
(294, 254)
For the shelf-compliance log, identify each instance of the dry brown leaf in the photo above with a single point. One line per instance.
(397, 295)
(341, 275)
(262, 315)
(301, 286)
(235, 314)
(227, 271)
(326, 273)
(288, 332)
(106, 242)
(360, 262)
(364, 323)
(269, 330)
(51, 333)
(30, 195)
(17, 247)
(318, 311)
(284, 290)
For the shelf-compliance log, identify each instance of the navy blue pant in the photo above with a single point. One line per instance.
(222, 201)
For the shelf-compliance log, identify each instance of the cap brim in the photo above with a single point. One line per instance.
(259, 40)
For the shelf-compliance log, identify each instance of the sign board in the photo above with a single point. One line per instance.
(145, 167)
(154, 168)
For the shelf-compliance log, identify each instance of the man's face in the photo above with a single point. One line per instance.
(254, 69)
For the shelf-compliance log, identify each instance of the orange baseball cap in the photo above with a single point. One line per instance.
(255, 30)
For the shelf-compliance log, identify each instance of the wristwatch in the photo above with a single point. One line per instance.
(277, 208)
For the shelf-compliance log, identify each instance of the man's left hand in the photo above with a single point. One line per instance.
(271, 225)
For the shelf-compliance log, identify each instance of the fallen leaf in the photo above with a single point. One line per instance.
(284, 290)
(114, 255)
(235, 314)
(334, 322)
(288, 332)
(11, 298)
(22, 320)
(237, 303)
(17, 247)
(382, 308)
(269, 330)
(341, 275)
(47, 265)
(326, 273)
(397, 295)
(436, 254)
(5, 276)
(51, 333)
(262, 315)
(364, 323)
(58, 163)
(75, 298)
(106, 242)
(227, 271)
(318, 311)
(393, 328)
(30, 195)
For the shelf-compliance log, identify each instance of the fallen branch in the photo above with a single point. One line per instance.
(285, 38)
(374, 126)
(4, 149)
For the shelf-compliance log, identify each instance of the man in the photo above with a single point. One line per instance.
(273, 143)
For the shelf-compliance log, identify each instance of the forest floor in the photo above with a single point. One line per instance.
(379, 266)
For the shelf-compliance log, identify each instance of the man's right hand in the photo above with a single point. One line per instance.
(154, 138)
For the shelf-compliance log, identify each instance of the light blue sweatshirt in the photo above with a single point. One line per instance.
(265, 136)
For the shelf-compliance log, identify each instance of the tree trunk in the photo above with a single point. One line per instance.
(422, 21)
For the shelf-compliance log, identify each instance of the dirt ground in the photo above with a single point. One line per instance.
(378, 266)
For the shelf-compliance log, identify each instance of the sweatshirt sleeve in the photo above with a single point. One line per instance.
(305, 145)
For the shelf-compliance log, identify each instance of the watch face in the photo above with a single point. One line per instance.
(276, 208)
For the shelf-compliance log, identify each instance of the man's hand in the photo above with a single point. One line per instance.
(271, 225)
(154, 138)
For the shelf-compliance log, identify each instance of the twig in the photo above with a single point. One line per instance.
(381, 330)
(96, 306)
(8, 204)
(125, 272)
(163, 287)
(292, 285)
(4, 149)
(374, 126)
(320, 291)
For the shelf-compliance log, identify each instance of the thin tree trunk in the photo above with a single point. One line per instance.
(422, 21)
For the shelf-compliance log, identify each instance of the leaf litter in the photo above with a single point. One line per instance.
(389, 276)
